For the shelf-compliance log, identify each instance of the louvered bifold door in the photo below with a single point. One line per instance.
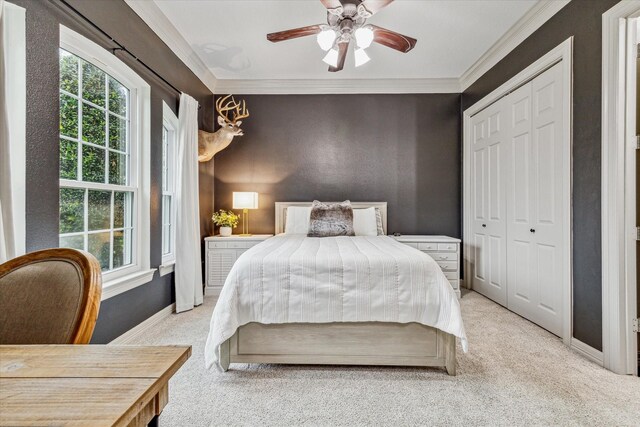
(220, 263)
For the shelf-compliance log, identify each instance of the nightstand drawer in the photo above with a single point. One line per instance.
(413, 245)
(428, 246)
(455, 284)
(217, 245)
(447, 256)
(447, 247)
(241, 245)
(448, 265)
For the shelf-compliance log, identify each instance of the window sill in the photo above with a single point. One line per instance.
(126, 283)
(166, 268)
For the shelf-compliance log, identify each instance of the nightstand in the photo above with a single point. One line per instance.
(221, 254)
(443, 249)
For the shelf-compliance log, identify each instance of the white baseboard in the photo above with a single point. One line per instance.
(587, 351)
(136, 332)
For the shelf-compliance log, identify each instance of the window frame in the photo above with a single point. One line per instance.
(139, 271)
(170, 122)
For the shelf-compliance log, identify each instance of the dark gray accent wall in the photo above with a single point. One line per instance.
(402, 149)
(583, 20)
(124, 311)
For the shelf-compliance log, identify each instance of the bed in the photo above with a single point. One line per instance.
(364, 300)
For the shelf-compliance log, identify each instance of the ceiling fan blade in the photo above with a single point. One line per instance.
(392, 39)
(342, 55)
(374, 6)
(331, 4)
(294, 33)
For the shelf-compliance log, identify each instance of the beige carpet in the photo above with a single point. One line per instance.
(514, 374)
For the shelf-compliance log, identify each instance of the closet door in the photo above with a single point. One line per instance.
(534, 200)
(488, 203)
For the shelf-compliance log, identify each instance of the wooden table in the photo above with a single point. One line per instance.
(92, 385)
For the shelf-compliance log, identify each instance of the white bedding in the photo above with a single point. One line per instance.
(294, 278)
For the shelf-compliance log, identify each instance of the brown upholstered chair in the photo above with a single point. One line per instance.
(49, 297)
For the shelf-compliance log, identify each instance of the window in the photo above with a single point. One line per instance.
(104, 160)
(169, 163)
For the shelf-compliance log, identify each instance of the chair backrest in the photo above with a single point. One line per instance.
(49, 297)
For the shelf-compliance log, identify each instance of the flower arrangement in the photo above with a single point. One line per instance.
(224, 218)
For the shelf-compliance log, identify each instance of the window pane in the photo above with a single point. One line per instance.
(122, 209)
(117, 133)
(166, 209)
(121, 248)
(165, 149)
(93, 124)
(166, 239)
(68, 159)
(75, 242)
(117, 168)
(99, 210)
(68, 72)
(93, 84)
(100, 247)
(71, 210)
(68, 116)
(117, 97)
(92, 164)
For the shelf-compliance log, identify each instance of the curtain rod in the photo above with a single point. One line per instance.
(120, 46)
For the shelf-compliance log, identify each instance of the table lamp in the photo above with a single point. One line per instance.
(245, 200)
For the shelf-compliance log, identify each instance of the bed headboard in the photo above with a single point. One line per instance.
(281, 212)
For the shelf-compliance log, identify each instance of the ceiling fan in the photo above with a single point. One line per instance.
(346, 20)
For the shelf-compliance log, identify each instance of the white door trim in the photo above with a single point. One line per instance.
(564, 53)
(616, 317)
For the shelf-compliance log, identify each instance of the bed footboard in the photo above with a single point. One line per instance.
(347, 343)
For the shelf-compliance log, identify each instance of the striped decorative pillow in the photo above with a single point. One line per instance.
(379, 222)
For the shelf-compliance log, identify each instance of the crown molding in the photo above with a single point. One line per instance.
(160, 24)
(336, 86)
(527, 25)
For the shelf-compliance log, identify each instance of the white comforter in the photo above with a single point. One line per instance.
(294, 278)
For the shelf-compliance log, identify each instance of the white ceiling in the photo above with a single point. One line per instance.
(229, 36)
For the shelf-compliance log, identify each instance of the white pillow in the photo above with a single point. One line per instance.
(364, 222)
(297, 220)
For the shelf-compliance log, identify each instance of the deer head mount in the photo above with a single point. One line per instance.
(211, 143)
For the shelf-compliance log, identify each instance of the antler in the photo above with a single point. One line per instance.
(240, 113)
(239, 110)
(223, 108)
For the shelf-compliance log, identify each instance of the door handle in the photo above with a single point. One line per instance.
(484, 225)
(532, 230)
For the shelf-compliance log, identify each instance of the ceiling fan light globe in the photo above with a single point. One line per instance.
(364, 37)
(361, 57)
(325, 39)
(331, 58)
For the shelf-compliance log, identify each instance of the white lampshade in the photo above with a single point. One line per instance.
(245, 200)
(331, 58)
(361, 57)
(325, 39)
(364, 37)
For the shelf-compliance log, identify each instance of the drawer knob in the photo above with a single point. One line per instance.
(484, 225)
(533, 230)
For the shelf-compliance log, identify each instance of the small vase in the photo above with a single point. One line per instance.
(225, 231)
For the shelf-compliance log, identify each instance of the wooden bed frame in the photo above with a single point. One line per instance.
(340, 343)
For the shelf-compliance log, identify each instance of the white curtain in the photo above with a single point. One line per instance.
(188, 274)
(7, 233)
